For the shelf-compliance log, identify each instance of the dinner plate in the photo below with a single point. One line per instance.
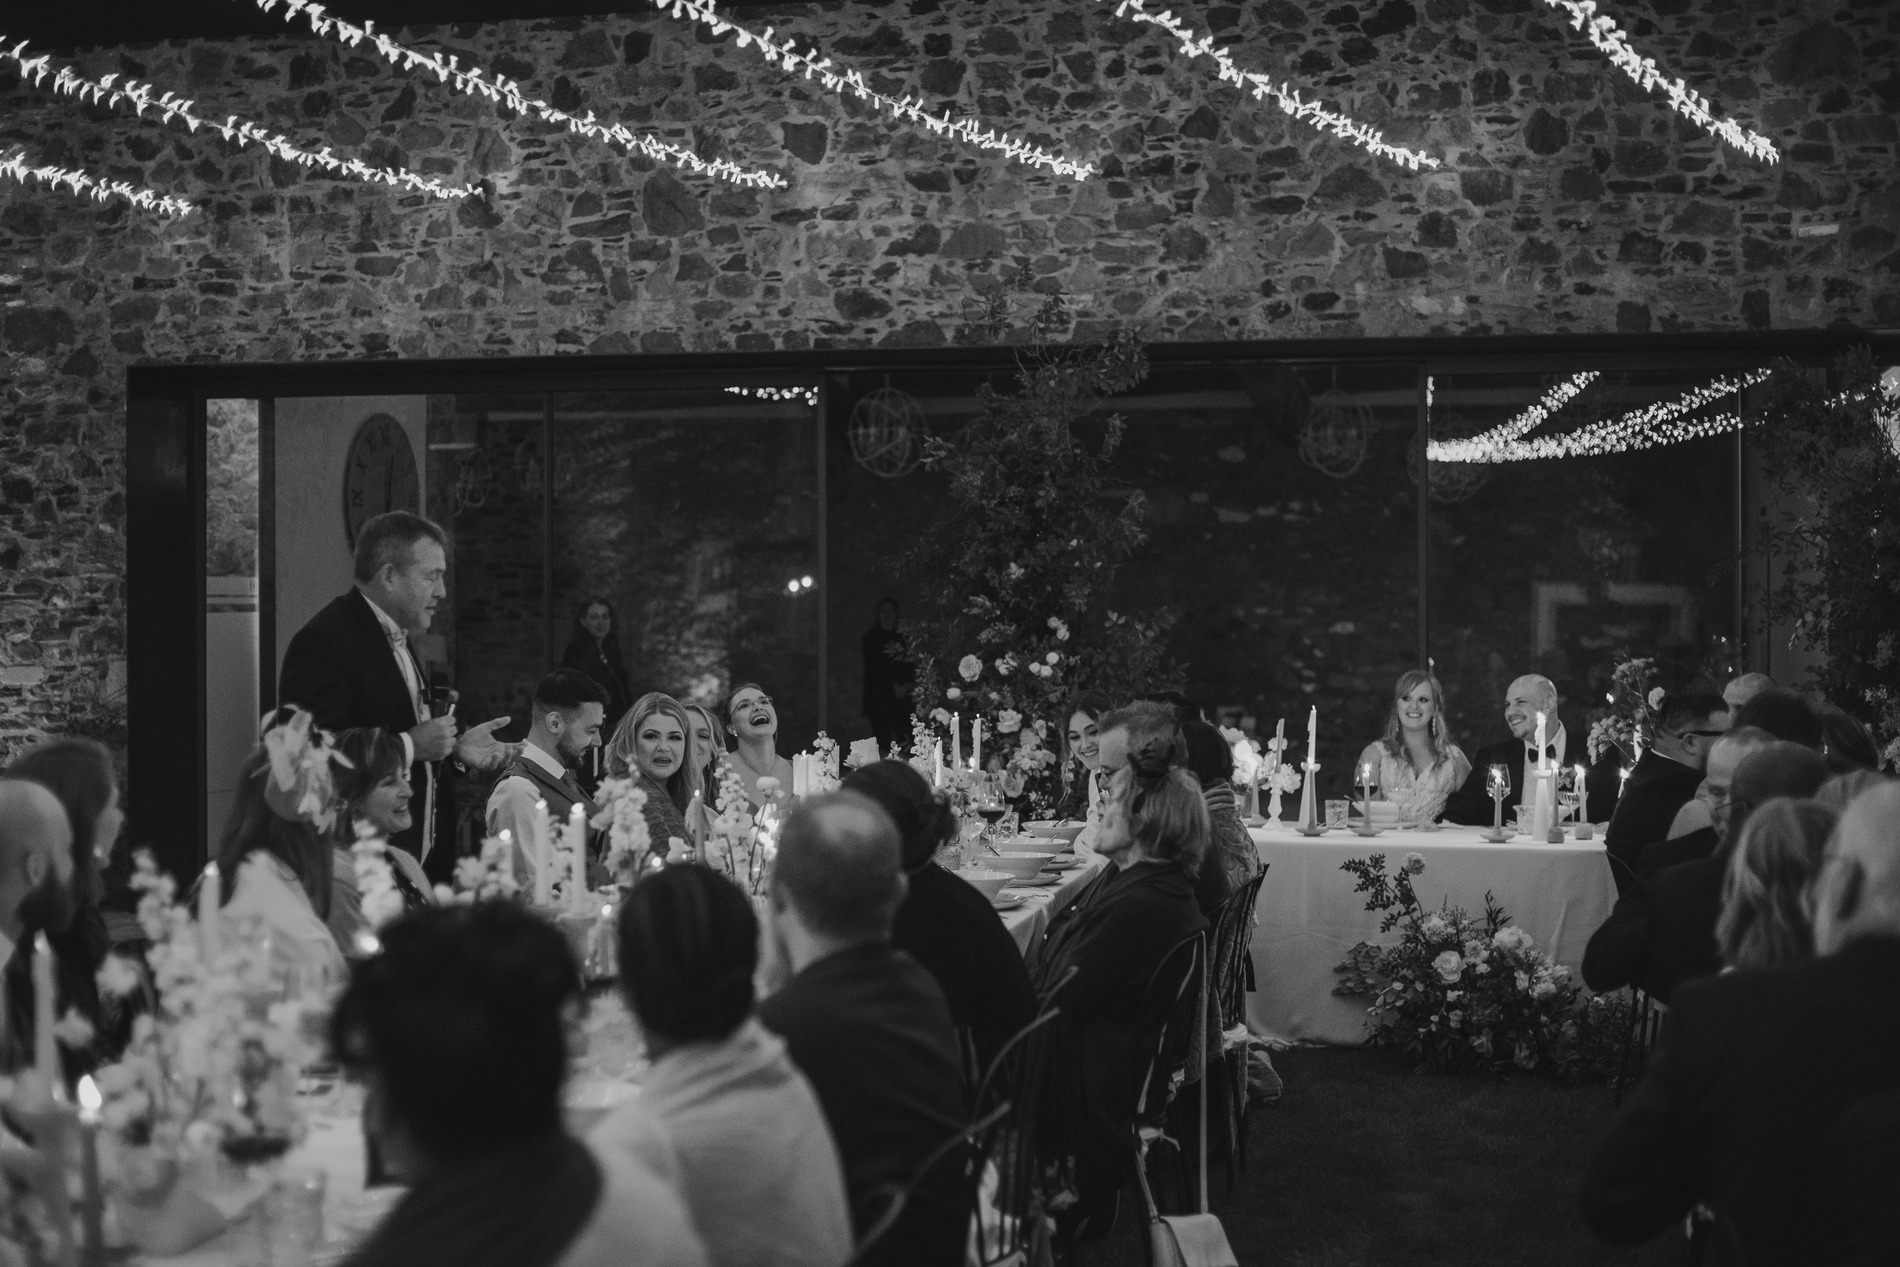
(1000, 903)
(1062, 864)
(1037, 882)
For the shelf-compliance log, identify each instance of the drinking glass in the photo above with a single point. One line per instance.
(1336, 812)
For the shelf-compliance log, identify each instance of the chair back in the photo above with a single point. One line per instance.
(1013, 1083)
(1233, 926)
(1169, 1010)
(976, 1140)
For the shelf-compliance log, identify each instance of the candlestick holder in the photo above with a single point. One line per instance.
(1309, 822)
(1497, 835)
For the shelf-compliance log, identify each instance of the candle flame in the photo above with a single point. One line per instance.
(89, 1098)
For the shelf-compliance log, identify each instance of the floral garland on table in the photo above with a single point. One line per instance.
(18, 167)
(1460, 993)
(1636, 705)
(212, 1068)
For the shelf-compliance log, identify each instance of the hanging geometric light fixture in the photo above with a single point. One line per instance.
(1336, 435)
(887, 432)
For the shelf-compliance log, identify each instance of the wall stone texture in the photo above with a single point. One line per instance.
(1567, 201)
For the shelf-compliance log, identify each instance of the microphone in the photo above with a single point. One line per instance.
(441, 697)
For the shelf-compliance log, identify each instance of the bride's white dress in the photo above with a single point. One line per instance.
(1420, 796)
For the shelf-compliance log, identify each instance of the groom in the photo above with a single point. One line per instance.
(1523, 700)
(351, 665)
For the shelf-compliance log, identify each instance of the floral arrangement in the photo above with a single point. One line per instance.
(299, 785)
(1459, 993)
(487, 877)
(212, 1068)
(1636, 705)
(375, 883)
(741, 844)
(630, 852)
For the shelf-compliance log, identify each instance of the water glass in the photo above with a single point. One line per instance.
(299, 1223)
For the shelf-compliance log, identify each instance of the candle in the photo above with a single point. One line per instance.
(937, 754)
(92, 1247)
(1365, 782)
(1583, 796)
(695, 823)
(577, 841)
(956, 742)
(1622, 782)
(976, 743)
(1540, 741)
(208, 900)
(543, 855)
(45, 1054)
(1312, 735)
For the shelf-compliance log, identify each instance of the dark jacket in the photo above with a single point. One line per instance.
(1755, 1070)
(1664, 854)
(949, 927)
(341, 668)
(1661, 932)
(584, 655)
(1471, 803)
(869, 1029)
(1658, 787)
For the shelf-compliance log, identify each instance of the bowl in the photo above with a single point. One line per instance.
(1064, 832)
(989, 883)
(1020, 863)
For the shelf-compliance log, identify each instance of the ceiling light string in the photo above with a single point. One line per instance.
(1263, 88)
(815, 65)
(1686, 101)
(1554, 399)
(1651, 426)
(20, 168)
(114, 88)
(505, 92)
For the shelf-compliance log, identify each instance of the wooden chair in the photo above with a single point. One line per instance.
(1233, 929)
(976, 1139)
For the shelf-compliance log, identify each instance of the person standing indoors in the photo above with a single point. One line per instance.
(755, 756)
(593, 648)
(351, 665)
(568, 706)
(1415, 765)
(888, 676)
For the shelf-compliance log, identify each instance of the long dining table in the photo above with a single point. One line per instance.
(1028, 922)
(1308, 915)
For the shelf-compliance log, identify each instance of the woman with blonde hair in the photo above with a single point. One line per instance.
(653, 746)
(1768, 887)
(1416, 765)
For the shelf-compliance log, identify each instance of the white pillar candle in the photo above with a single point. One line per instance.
(976, 743)
(1583, 797)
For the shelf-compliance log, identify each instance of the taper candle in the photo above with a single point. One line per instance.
(541, 850)
(208, 902)
(956, 742)
(1312, 735)
(976, 743)
(92, 1238)
(45, 1053)
(1583, 796)
(577, 841)
(1540, 741)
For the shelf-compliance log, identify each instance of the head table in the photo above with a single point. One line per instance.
(1308, 916)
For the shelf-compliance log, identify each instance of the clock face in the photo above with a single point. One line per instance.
(379, 474)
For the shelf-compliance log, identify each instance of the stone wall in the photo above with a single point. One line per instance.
(1567, 202)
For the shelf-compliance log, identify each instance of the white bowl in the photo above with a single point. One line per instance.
(1018, 862)
(989, 883)
(1064, 832)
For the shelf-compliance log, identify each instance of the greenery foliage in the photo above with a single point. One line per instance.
(1833, 447)
(1464, 994)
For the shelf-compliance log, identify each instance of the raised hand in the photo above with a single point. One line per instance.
(434, 739)
(478, 749)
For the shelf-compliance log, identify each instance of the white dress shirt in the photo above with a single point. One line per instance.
(511, 805)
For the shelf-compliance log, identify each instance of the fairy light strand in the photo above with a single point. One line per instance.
(1688, 103)
(1264, 88)
(114, 88)
(20, 168)
(505, 92)
(1531, 419)
(815, 65)
(807, 394)
(1662, 423)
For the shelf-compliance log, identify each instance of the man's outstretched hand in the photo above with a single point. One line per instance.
(478, 749)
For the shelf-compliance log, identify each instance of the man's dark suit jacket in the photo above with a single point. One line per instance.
(341, 668)
(1664, 854)
(1471, 803)
(1658, 787)
(948, 926)
(1661, 933)
(1755, 1071)
(870, 1030)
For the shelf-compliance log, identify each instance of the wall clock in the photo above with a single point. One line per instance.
(379, 474)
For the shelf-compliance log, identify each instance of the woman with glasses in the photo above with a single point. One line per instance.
(754, 723)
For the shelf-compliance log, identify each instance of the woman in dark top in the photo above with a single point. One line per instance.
(593, 648)
(945, 923)
(887, 679)
(1154, 831)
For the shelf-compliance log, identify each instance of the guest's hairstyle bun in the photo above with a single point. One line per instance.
(689, 943)
(925, 821)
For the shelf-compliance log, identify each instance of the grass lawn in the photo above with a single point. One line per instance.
(1366, 1164)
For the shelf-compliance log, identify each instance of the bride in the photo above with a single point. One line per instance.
(1417, 763)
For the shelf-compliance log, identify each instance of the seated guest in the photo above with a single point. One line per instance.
(564, 726)
(754, 723)
(1147, 739)
(1081, 790)
(721, 1103)
(1664, 779)
(1846, 743)
(456, 1031)
(275, 871)
(1662, 930)
(1229, 846)
(374, 793)
(1714, 795)
(868, 1025)
(652, 748)
(1757, 1066)
(708, 744)
(79, 772)
(1785, 715)
(944, 923)
(1523, 700)
(1768, 889)
(1744, 687)
(1840, 791)
(1154, 831)
(36, 886)
(1415, 765)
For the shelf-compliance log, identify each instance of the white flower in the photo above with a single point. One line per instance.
(1054, 657)
(1062, 630)
(1448, 965)
(1014, 571)
(1414, 863)
(1656, 699)
(117, 977)
(1434, 928)
(1523, 981)
(73, 1030)
(1543, 990)
(1006, 665)
(1511, 937)
(954, 693)
(941, 715)
(1009, 721)
(969, 667)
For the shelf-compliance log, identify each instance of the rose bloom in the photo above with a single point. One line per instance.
(1448, 965)
(955, 692)
(1414, 863)
(1008, 721)
(969, 667)
(1511, 937)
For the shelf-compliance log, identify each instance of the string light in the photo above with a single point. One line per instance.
(18, 167)
(1687, 102)
(506, 92)
(1646, 428)
(807, 394)
(814, 64)
(1263, 88)
(1531, 419)
(114, 88)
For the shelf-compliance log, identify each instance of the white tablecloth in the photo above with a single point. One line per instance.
(1028, 922)
(1309, 917)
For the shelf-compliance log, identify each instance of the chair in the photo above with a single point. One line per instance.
(1638, 1041)
(979, 1135)
(1233, 926)
(1172, 1008)
(1014, 1083)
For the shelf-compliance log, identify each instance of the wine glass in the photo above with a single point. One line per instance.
(989, 805)
(1569, 795)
